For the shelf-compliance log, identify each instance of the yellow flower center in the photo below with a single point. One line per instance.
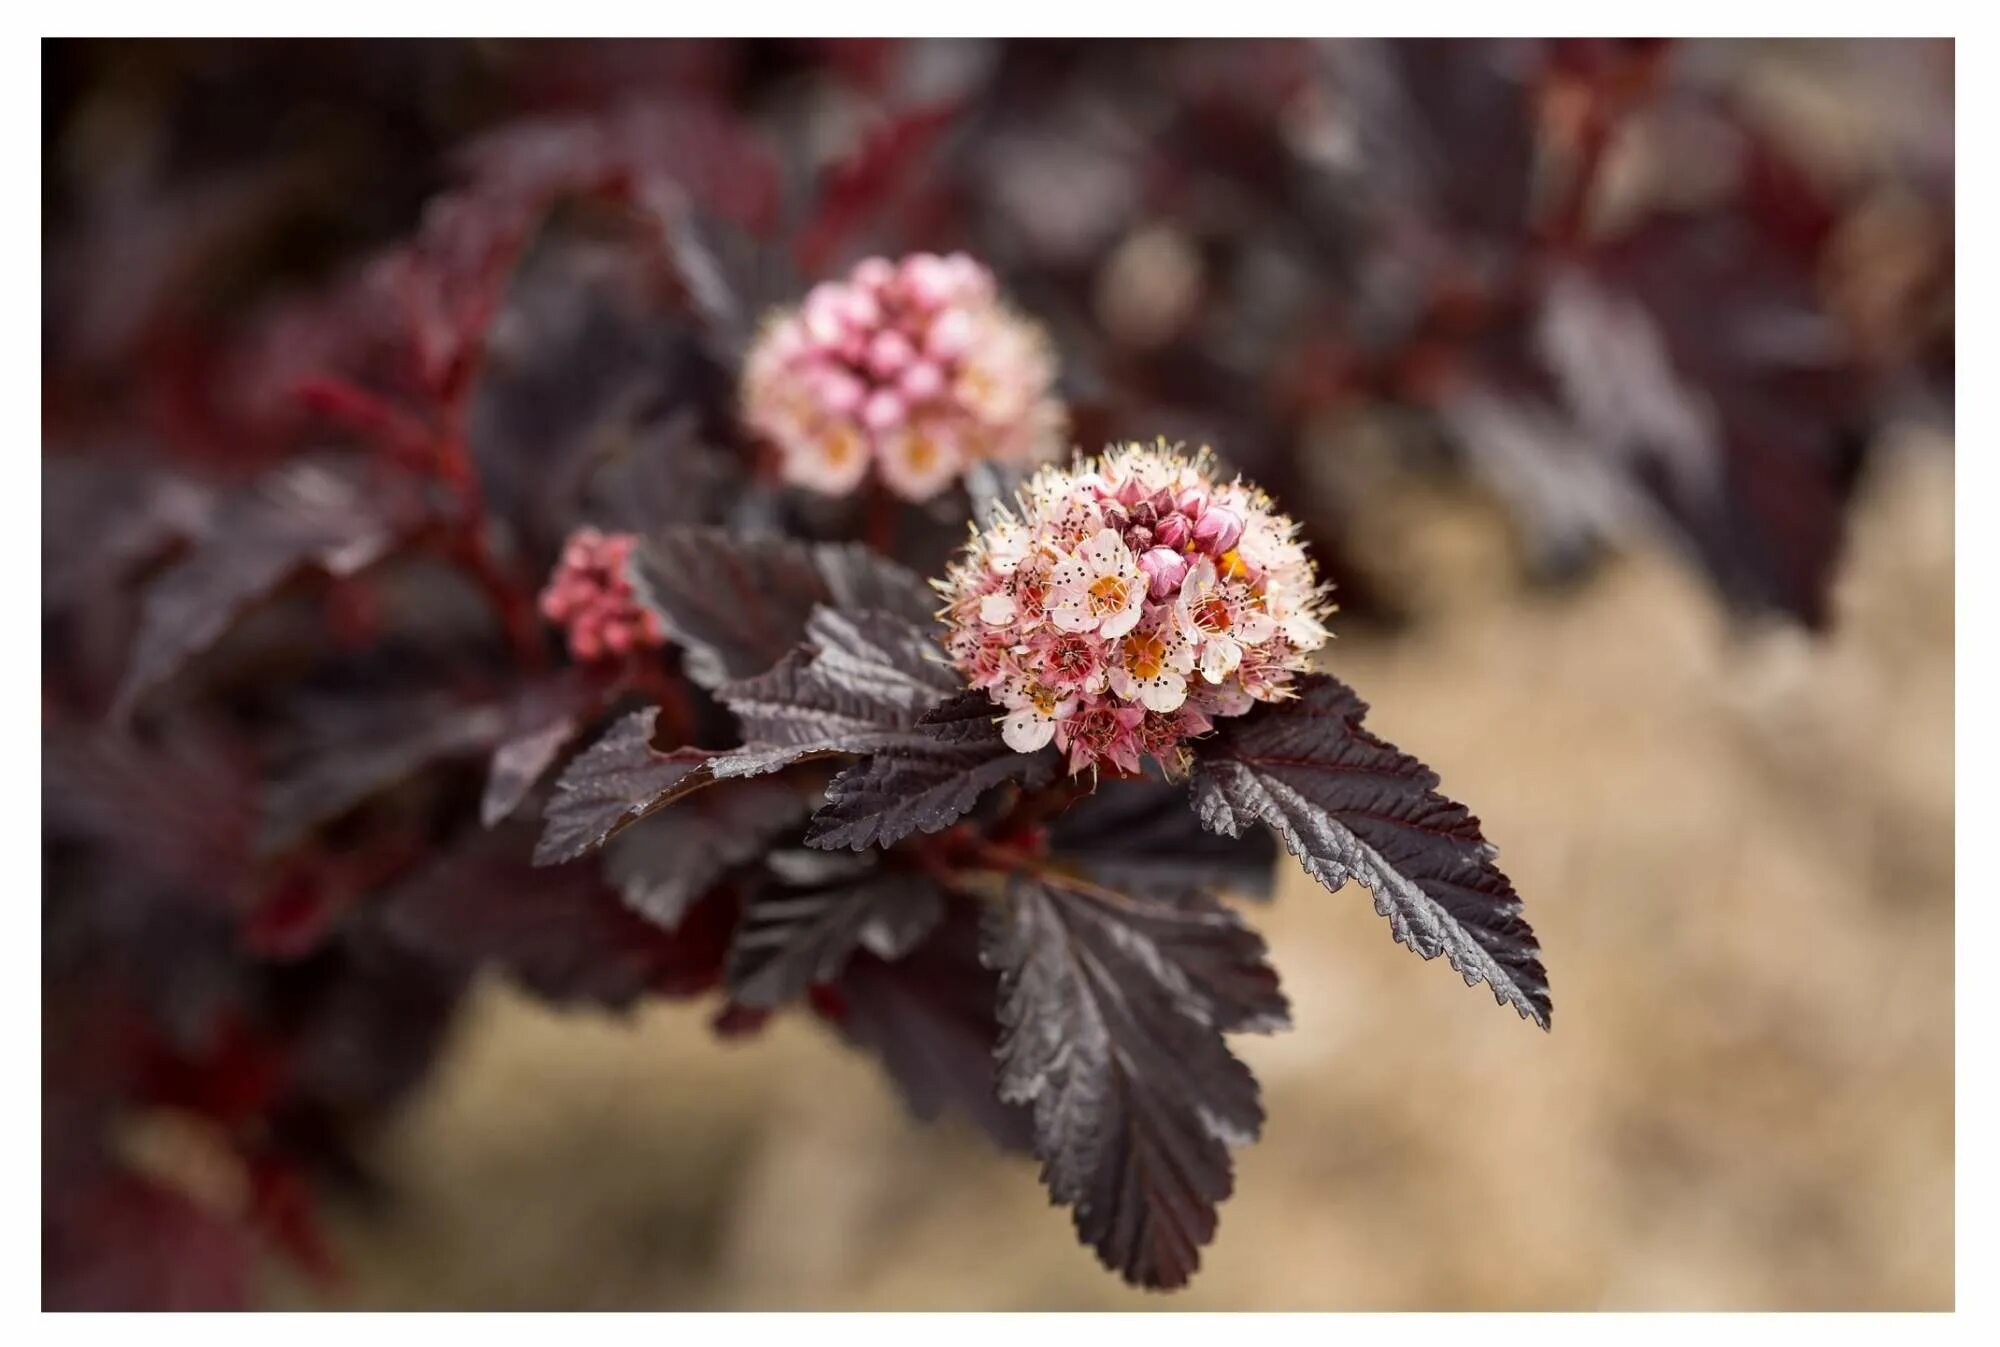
(1107, 596)
(1145, 655)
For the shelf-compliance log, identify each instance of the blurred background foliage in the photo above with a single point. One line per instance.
(1612, 380)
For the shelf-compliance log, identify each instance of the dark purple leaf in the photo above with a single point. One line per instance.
(308, 513)
(859, 686)
(929, 1017)
(736, 605)
(792, 937)
(560, 931)
(615, 782)
(1139, 835)
(665, 862)
(357, 750)
(543, 720)
(1350, 806)
(1113, 1010)
(880, 801)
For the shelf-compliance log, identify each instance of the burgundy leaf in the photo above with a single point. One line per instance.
(883, 799)
(543, 721)
(309, 513)
(1139, 835)
(560, 931)
(929, 1017)
(737, 605)
(858, 686)
(615, 782)
(791, 937)
(1350, 806)
(1113, 1009)
(665, 862)
(360, 749)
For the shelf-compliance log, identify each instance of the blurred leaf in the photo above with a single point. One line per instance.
(929, 1017)
(308, 513)
(1349, 805)
(791, 937)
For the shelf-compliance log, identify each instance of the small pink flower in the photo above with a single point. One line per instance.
(1099, 588)
(589, 596)
(897, 357)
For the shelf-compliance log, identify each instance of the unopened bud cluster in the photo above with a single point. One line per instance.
(590, 598)
(914, 368)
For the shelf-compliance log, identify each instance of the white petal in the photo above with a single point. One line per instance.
(1121, 622)
(996, 610)
(1253, 627)
(1074, 615)
(1105, 553)
(1027, 730)
(1164, 693)
(1219, 658)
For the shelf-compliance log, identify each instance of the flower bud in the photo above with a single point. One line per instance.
(950, 336)
(1164, 569)
(1192, 502)
(1173, 531)
(1138, 538)
(873, 273)
(927, 280)
(922, 381)
(1217, 530)
(840, 391)
(884, 411)
(889, 353)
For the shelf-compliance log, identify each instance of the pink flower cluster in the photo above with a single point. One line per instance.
(1132, 602)
(590, 597)
(913, 366)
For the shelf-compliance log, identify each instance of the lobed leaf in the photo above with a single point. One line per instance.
(736, 606)
(309, 513)
(1139, 835)
(929, 785)
(615, 782)
(790, 938)
(670, 859)
(1349, 805)
(1113, 1009)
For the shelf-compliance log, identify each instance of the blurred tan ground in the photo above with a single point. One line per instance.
(1737, 850)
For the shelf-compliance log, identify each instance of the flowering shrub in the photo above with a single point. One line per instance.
(1133, 602)
(442, 624)
(914, 368)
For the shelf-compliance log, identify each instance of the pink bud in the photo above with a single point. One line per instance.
(1164, 569)
(884, 410)
(1130, 492)
(950, 336)
(922, 381)
(927, 280)
(859, 309)
(1173, 531)
(969, 279)
(1138, 538)
(822, 314)
(839, 391)
(1192, 502)
(873, 273)
(889, 353)
(1217, 530)
(617, 637)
